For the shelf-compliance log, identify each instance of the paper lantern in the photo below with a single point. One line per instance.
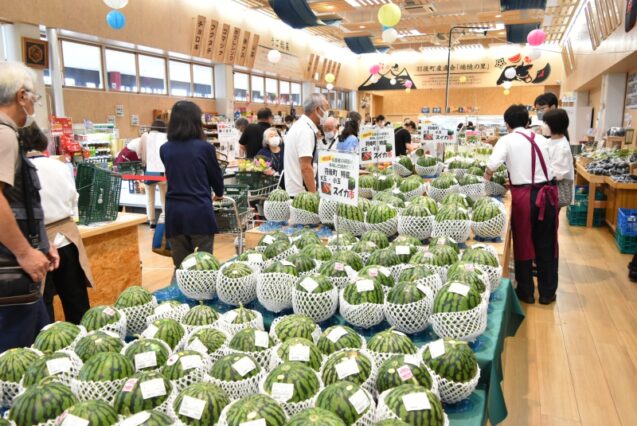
(506, 92)
(374, 69)
(375, 78)
(390, 35)
(389, 15)
(408, 84)
(535, 54)
(536, 37)
(274, 56)
(463, 79)
(392, 81)
(116, 19)
(408, 90)
(507, 85)
(330, 86)
(116, 4)
(329, 77)
(510, 73)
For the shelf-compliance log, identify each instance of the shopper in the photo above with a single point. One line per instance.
(380, 120)
(402, 137)
(330, 133)
(534, 205)
(544, 103)
(348, 139)
(240, 124)
(130, 153)
(150, 144)
(252, 138)
(192, 170)
(560, 151)
(59, 202)
(20, 323)
(300, 146)
(272, 150)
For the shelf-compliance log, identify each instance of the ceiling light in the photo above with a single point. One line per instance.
(498, 15)
(353, 3)
(361, 27)
(415, 32)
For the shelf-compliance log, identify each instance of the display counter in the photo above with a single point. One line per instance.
(592, 181)
(619, 196)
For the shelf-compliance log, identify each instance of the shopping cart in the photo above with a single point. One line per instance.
(233, 213)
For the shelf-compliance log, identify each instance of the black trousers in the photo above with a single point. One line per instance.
(183, 245)
(544, 239)
(69, 282)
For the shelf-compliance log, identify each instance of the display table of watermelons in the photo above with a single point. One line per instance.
(487, 402)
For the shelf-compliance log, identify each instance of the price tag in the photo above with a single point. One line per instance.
(339, 266)
(244, 366)
(71, 420)
(230, 316)
(172, 359)
(109, 311)
(196, 345)
(412, 359)
(469, 267)
(268, 239)
(282, 392)
(129, 385)
(58, 365)
(261, 339)
(385, 271)
(258, 422)
(309, 284)
(359, 401)
(402, 250)
(416, 401)
(137, 419)
(150, 331)
(347, 368)
(189, 362)
(460, 289)
(287, 263)
(364, 285)
(164, 308)
(189, 263)
(396, 191)
(192, 407)
(349, 270)
(382, 177)
(336, 334)
(405, 373)
(152, 388)
(437, 348)
(299, 352)
(428, 255)
(145, 360)
(255, 258)
(373, 272)
(423, 289)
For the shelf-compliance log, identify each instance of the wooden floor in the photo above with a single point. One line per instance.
(571, 363)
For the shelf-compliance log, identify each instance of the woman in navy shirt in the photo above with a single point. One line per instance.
(192, 172)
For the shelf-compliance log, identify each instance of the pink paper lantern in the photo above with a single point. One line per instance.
(375, 69)
(408, 84)
(536, 37)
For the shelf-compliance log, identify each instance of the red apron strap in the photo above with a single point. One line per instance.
(535, 150)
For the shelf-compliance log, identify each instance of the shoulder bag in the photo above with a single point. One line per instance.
(565, 192)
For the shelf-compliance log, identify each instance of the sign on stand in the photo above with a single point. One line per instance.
(338, 176)
(436, 133)
(228, 139)
(377, 145)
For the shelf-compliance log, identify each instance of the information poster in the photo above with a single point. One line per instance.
(377, 145)
(435, 133)
(338, 176)
(228, 140)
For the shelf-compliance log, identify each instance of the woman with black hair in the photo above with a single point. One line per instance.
(560, 151)
(192, 170)
(348, 139)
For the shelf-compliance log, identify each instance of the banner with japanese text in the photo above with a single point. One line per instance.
(377, 145)
(338, 176)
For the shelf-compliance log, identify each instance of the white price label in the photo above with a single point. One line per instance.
(402, 250)
(309, 284)
(396, 191)
(469, 267)
(382, 177)
(287, 263)
(339, 266)
(189, 362)
(255, 258)
(189, 263)
(385, 271)
(58, 365)
(423, 289)
(347, 368)
(150, 331)
(164, 308)
(349, 270)
(437, 348)
(230, 316)
(257, 422)
(137, 419)
(416, 401)
(71, 420)
(282, 392)
(145, 360)
(428, 255)
(359, 401)
(412, 359)
(196, 345)
(461, 289)
(336, 334)
(268, 239)
(261, 339)
(373, 272)
(109, 311)
(244, 366)
(192, 407)
(364, 285)
(153, 388)
(299, 352)
(404, 373)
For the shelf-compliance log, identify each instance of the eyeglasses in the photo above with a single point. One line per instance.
(542, 108)
(34, 97)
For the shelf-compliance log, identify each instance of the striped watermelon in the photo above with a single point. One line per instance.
(343, 238)
(500, 178)
(366, 181)
(405, 161)
(166, 329)
(295, 325)
(470, 179)
(242, 315)
(247, 255)
(95, 411)
(106, 366)
(448, 301)
(245, 341)
(444, 182)
(255, 407)
(404, 249)
(274, 249)
(486, 212)
(380, 213)
(200, 315)
(382, 183)
(41, 403)
(366, 247)
(458, 363)
(143, 347)
(391, 422)
(333, 268)
(150, 418)
(97, 342)
(409, 185)
(305, 380)
(317, 251)
(302, 262)
(427, 202)
(329, 372)
(308, 201)
(38, 370)
(223, 368)
(405, 292)
(236, 270)
(59, 335)
(279, 196)
(200, 261)
(456, 198)
(164, 306)
(466, 273)
(305, 238)
(174, 368)
(483, 201)
(281, 267)
(339, 337)
(353, 296)
(355, 213)
(350, 258)
(385, 257)
(480, 255)
(133, 296)
(444, 241)
(427, 161)
(416, 210)
(315, 417)
(380, 239)
(98, 317)
(413, 273)
(434, 416)
(437, 256)
(215, 401)
(452, 212)
(268, 239)
(211, 339)
(391, 341)
(336, 398)
(399, 370)
(130, 397)
(379, 274)
(314, 360)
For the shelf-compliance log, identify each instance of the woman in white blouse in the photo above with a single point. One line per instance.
(561, 157)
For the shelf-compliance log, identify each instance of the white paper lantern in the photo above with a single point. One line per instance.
(274, 56)
(375, 78)
(116, 4)
(507, 85)
(392, 81)
(390, 35)
(535, 54)
(329, 86)
(510, 73)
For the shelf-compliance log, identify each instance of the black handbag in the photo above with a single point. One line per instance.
(16, 286)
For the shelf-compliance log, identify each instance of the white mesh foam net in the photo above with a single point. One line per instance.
(283, 255)
(318, 306)
(303, 217)
(492, 228)
(416, 192)
(119, 326)
(292, 408)
(365, 315)
(355, 227)
(402, 170)
(236, 291)
(136, 316)
(198, 285)
(433, 282)
(464, 325)
(177, 313)
(316, 333)
(240, 389)
(276, 211)
(275, 359)
(495, 275)
(9, 390)
(67, 377)
(161, 342)
(427, 171)
(415, 226)
(474, 190)
(410, 318)
(223, 418)
(493, 189)
(88, 390)
(438, 194)
(71, 347)
(396, 270)
(274, 290)
(194, 375)
(453, 392)
(365, 192)
(389, 227)
(383, 412)
(459, 173)
(212, 356)
(327, 210)
(459, 230)
(370, 384)
(261, 357)
(232, 329)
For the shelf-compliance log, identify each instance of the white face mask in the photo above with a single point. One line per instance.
(274, 141)
(329, 136)
(30, 118)
(323, 117)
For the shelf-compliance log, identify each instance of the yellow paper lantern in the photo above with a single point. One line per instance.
(389, 15)
(408, 90)
(506, 92)
(463, 79)
(329, 77)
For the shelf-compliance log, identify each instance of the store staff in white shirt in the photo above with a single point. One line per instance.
(534, 205)
(559, 147)
(300, 145)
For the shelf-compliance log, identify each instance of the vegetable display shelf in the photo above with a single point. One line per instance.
(593, 181)
(620, 196)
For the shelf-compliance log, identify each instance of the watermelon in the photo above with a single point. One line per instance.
(343, 238)
(405, 292)
(295, 325)
(98, 317)
(281, 267)
(404, 250)
(444, 241)
(133, 296)
(308, 201)
(317, 251)
(405, 161)
(356, 293)
(150, 418)
(246, 341)
(293, 349)
(130, 396)
(180, 363)
(210, 338)
(140, 353)
(366, 247)
(200, 261)
(449, 301)
(444, 182)
(452, 212)
(268, 239)
(425, 201)
(376, 237)
(466, 273)
(303, 263)
(95, 411)
(366, 182)
(41, 403)
(256, 407)
(475, 171)
(458, 363)
(458, 199)
(106, 366)
(480, 255)
(391, 422)
(484, 201)
(385, 257)
(38, 370)
(200, 315)
(305, 238)
(97, 342)
(333, 268)
(330, 371)
(401, 369)
(444, 255)
(166, 329)
(393, 198)
(315, 417)
(391, 341)
(434, 416)
(382, 182)
(251, 254)
(470, 179)
(273, 250)
(305, 380)
(416, 210)
(339, 337)
(350, 258)
(215, 401)
(379, 274)
(500, 178)
(427, 161)
(59, 335)
(458, 164)
(336, 398)
(167, 307)
(409, 185)
(236, 270)
(241, 315)
(355, 213)
(223, 369)
(279, 196)
(415, 273)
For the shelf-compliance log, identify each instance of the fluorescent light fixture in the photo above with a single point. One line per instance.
(352, 3)
(498, 15)
(415, 32)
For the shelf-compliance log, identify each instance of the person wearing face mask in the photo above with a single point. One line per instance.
(23, 240)
(348, 139)
(301, 143)
(272, 150)
(329, 133)
(544, 103)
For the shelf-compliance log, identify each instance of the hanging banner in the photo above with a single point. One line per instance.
(210, 40)
(232, 53)
(338, 176)
(197, 37)
(377, 145)
(223, 42)
(243, 51)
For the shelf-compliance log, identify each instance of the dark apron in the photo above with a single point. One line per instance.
(521, 224)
